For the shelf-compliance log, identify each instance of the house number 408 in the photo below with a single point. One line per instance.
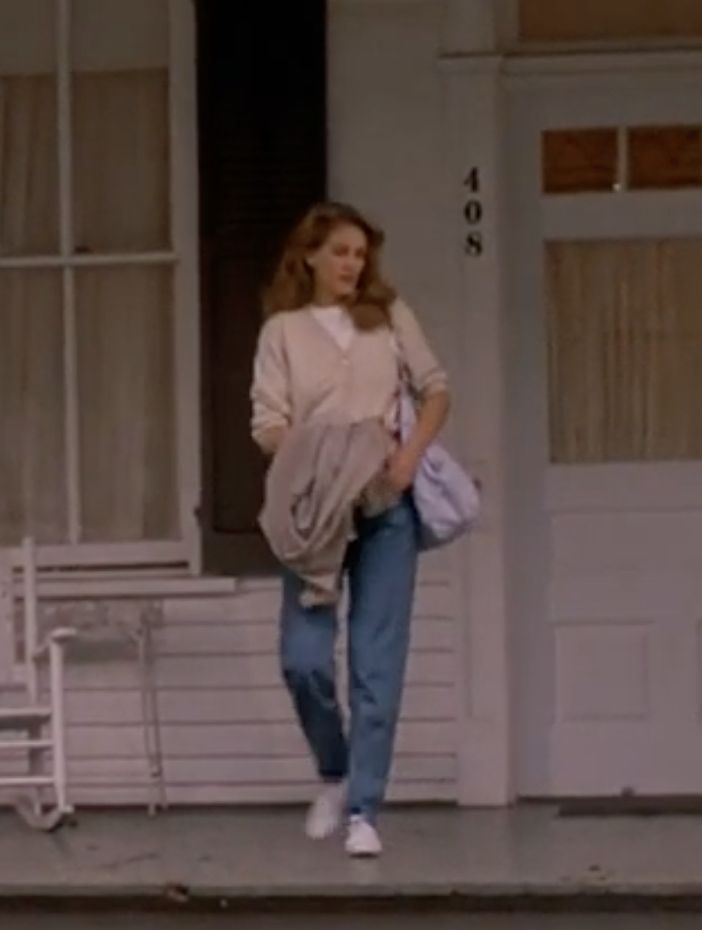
(473, 215)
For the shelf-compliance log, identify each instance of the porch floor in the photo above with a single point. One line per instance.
(185, 856)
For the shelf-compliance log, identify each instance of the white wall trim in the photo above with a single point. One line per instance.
(580, 62)
(468, 26)
(642, 45)
(623, 215)
(507, 23)
(472, 140)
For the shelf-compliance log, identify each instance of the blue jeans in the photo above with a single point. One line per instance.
(381, 565)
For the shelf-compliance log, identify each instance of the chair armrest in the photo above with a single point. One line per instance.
(60, 636)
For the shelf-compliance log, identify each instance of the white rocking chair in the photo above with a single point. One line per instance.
(32, 719)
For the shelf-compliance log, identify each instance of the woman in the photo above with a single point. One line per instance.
(329, 350)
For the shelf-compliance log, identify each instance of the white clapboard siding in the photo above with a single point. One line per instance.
(428, 667)
(230, 705)
(228, 728)
(250, 740)
(250, 639)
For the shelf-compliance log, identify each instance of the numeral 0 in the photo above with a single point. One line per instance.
(473, 212)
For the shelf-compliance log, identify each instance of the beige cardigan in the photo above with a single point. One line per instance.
(301, 374)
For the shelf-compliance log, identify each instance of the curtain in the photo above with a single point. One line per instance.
(32, 456)
(28, 166)
(126, 402)
(121, 161)
(125, 333)
(624, 331)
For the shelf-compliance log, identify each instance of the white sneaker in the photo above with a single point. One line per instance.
(325, 813)
(362, 838)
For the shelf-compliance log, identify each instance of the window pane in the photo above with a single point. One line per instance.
(127, 406)
(119, 35)
(32, 459)
(27, 37)
(665, 157)
(577, 160)
(625, 350)
(28, 166)
(556, 20)
(121, 161)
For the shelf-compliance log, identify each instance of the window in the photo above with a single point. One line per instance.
(597, 20)
(632, 158)
(92, 270)
(579, 160)
(664, 157)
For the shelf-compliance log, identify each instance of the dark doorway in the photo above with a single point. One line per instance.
(262, 162)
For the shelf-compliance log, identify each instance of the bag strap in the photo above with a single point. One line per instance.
(405, 391)
(403, 373)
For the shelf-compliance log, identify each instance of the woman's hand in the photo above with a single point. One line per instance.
(401, 468)
(404, 463)
(270, 441)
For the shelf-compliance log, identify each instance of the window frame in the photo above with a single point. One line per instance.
(182, 258)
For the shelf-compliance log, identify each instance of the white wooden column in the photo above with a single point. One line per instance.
(473, 133)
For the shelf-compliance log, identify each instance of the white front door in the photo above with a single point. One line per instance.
(604, 349)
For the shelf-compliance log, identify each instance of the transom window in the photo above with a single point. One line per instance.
(557, 21)
(634, 158)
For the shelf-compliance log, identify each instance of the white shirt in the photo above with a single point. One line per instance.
(337, 322)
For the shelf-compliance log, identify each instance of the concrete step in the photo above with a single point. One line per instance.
(252, 869)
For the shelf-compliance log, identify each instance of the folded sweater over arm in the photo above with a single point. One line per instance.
(321, 473)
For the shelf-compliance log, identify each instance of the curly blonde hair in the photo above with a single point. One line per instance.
(292, 287)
